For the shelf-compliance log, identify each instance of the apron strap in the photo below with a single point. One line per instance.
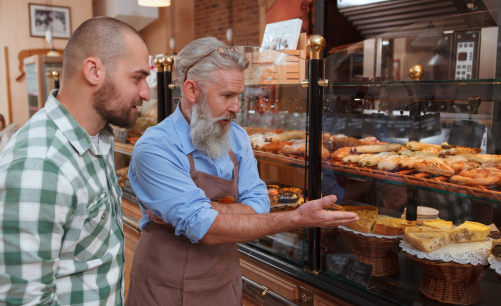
(233, 158)
(192, 162)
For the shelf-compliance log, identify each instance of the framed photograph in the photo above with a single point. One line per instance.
(46, 17)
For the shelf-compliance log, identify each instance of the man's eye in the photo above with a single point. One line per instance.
(228, 96)
(138, 79)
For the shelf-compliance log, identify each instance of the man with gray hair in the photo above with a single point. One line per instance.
(61, 238)
(181, 168)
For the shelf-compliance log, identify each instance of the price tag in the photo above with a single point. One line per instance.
(348, 267)
(466, 133)
(338, 264)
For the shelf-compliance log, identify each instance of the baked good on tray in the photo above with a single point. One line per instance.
(496, 248)
(469, 232)
(439, 224)
(389, 226)
(427, 241)
(367, 218)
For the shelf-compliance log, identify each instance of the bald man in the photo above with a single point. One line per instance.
(61, 239)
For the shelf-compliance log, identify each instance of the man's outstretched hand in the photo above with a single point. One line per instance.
(312, 214)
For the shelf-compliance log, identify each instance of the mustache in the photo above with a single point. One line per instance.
(232, 116)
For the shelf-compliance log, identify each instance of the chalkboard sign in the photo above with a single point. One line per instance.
(428, 125)
(495, 136)
(402, 127)
(334, 123)
(466, 133)
(377, 125)
(354, 125)
(348, 267)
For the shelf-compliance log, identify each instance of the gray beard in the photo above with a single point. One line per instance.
(206, 134)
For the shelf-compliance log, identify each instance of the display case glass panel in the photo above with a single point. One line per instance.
(273, 110)
(416, 139)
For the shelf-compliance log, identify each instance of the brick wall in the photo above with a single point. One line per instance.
(212, 18)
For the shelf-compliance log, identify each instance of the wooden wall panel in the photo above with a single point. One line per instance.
(15, 28)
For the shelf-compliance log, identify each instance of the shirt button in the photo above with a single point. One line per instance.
(103, 216)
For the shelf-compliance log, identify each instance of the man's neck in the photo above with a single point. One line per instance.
(182, 105)
(82, 110)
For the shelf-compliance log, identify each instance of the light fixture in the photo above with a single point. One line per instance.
(154, 3)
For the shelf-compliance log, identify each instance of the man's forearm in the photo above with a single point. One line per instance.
(234, 208)
(228, 228)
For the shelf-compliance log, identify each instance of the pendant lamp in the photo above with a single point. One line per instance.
(154, 3)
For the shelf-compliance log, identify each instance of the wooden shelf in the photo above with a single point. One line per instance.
(124, 148)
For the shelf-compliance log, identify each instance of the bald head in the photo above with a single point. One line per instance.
(101, 37)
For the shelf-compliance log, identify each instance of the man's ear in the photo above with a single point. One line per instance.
(190, 91)
(94, 71)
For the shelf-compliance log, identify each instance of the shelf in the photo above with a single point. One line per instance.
(274, 159)
(414, 179)
(124, 148)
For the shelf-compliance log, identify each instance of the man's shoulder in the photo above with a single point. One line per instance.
(162, 135)
(32, 140)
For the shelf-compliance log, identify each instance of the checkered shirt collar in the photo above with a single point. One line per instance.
(73, 131)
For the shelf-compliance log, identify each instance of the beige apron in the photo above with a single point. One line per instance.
(171, 270)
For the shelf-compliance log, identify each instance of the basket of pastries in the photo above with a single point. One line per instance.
(452, 259)
(374, 238)
(495, 257)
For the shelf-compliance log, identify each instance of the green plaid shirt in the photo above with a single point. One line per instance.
(61, 237)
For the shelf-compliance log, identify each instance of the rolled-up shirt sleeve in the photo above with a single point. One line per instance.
(163, 184)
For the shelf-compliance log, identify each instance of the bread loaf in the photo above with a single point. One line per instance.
(469, 232)
(339, 154)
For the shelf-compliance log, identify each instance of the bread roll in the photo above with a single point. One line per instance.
(339, 154)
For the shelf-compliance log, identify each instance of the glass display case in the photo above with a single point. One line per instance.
(410, 121)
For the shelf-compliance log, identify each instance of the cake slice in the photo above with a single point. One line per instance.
(496, 248)
(469, 232)
(427, 241)
(439, 224)
(386, 225)
(367, 218)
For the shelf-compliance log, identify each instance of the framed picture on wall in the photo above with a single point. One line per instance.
(47, 17)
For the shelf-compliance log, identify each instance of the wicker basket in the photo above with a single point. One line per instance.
(450, 282)
(374, 251)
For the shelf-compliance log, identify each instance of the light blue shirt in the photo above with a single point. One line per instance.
(159, 173)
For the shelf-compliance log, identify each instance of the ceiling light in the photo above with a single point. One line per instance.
(154, 3)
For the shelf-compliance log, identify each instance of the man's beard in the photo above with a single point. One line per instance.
(206, 134)
(104, 101)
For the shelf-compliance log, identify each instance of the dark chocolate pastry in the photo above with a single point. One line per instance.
(288, 197)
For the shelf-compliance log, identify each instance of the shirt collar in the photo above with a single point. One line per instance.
(183, 130)
(73, 131)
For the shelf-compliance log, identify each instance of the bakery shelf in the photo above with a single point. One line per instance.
(271, 158)
(412, 181)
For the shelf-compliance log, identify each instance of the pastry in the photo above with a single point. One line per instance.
(374, 160)
(390, 163)
(339, 154)
(286, 136)
(458, 150)
(435, 166)
(272, 192)
(496, 248)
(295, 190)
(418, 146)
(276, 146)
(353, 159)
(427, 241)
(469, 232)
(439, 224)
(273, 199)
(367, 218)
(386, 225)
(376, 148)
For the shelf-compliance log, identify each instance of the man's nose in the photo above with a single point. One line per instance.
(234, 106)
(144, 92)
